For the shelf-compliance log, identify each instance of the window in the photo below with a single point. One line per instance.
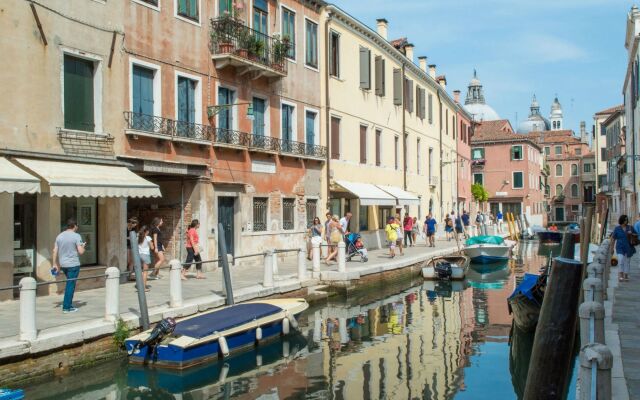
(396, 150)
(446, 122)
(225, 116)
(363, 144)
(574, 190)
(260, 16)
(363, 218)
(559, 190)
(603, 154)
(516, 153)
(334, 54)
(84, 211)
(430, 108)
(380, 77)
(187, 89)
(287, 125)
(188, 9)
(578, 151)
(518, 180)
(289, 31)
(603, 130)
(587, 167)
(288, 207)
(418, 153)
(477, 153)
(431, 180)
(558, 150)
(142, 93)
(365, 68)
(259, 214)
(311, 44)
(397, 87)
(421, 108)
(574, 170)
(78, 94)
(259, 108)
(152, 2)
(547, 150)
(408, 93)
(478, 178)
(312, 211)
(575, 207)
(378, 147)
(335, 138)
(558, 169)
(310, 127)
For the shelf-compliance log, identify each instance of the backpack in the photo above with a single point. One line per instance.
(478, 218)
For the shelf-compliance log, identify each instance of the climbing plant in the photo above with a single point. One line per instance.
(479, 193)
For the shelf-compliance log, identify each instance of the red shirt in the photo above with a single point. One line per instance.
(408, 224)
(192, 237)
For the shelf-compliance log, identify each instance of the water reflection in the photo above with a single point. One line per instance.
(431, 340)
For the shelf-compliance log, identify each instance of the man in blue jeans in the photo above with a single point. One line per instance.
(66, 256)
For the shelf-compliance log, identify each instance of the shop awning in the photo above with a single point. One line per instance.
(66, 179)
(404, 198)
(15, 180)
(369, 195)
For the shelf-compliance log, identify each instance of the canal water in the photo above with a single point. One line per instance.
(415, 340)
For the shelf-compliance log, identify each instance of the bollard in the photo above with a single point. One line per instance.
(28, 329)
(595, 270)
(112, 294)
(585, 311)
(267, 280)
(601, 355)
(592, 288)
(302, 264)
(274, 262)
(342, 262)
(315, 256)
(175, 284)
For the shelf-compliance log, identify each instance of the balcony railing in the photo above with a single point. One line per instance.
(478, 161)
(243, 46)
(268, 143)
(165, 128)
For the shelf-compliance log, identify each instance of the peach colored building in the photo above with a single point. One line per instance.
(508, 165)
(463, 148)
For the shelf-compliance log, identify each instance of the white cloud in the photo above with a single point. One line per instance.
(544, 48)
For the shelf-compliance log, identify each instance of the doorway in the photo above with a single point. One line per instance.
(225, 217)
(559, 213)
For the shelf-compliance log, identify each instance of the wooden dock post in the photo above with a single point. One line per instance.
(553, 346)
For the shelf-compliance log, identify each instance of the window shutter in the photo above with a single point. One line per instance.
(363, 144)
(512, 153)
(182, 6)
(410, 95)
(380, 84)
(430, 108)
(335, 138)
(365, 68)
(397, 86)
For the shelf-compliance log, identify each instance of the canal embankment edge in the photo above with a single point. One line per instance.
(61, 350)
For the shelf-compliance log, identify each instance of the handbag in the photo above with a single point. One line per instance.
(633, 238)
(335, 236)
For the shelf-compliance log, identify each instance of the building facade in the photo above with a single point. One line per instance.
(619, 188)
(509, 167)
(631, 93)
(599, 145)
(465, 132)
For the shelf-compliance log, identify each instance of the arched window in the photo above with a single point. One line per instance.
(558, 169)
(574, 169)
(574, 190)
(559, 190)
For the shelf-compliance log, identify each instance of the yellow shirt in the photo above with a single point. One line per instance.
(392, 233)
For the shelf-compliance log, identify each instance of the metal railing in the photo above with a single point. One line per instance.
(165, 127)
(232, 36)
(268, 143)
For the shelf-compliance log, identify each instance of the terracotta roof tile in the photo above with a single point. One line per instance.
(611, 110)
(399, 43)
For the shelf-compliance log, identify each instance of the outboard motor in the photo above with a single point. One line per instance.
(162, 329)
(443, 270)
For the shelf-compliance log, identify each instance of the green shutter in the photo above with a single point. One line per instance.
(78, 94)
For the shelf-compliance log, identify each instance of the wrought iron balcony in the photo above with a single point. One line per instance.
(559, 199)
(165, 128)
(235, 44)
(232, 138)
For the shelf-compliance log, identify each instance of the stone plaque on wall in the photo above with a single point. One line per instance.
(265, 167)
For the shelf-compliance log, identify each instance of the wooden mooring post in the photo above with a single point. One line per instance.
(553, 346)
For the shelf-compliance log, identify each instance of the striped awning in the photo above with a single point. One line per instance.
(13, 179)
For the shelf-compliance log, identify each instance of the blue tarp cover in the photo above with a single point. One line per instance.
(227, 318)
(528, 282)
(484, 240)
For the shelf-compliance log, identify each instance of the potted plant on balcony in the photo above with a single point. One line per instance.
(221, 41)
(279, 49)
(244, 42)
(256, 48)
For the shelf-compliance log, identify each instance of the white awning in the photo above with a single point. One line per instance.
(66, 179)
(369, 195)
(404, 198)
(15, 180)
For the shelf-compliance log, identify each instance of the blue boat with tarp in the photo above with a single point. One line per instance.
(486, 249)
(214, 334)
(526, 300)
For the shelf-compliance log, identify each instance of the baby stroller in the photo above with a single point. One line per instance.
(353, 249)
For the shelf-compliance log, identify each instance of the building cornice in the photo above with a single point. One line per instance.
(506, 141)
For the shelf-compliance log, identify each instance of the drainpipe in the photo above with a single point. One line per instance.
(441, 152)
(327, 105)
(181, 218)
(404, 128)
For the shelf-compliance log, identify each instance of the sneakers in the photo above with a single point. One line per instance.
(71, 310)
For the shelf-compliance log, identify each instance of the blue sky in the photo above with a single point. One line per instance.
(574, 48)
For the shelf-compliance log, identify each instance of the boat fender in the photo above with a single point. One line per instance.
(285, 348)
(258, 333)
(292, 321)
(285, 326)
(224, 371)
(224, 347)
(259, 360)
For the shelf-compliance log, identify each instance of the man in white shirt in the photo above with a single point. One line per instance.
(344, 223)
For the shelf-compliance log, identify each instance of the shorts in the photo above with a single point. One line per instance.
(391, 244)
(316, 239)
(399, 242)
(160, 247)
(145, 258)
(431, 233)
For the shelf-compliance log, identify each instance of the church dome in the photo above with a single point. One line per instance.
(535, 121)
(556, 108)
(475, 103)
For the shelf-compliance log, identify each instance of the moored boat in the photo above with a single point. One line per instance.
(214, 334)
(486, 249)
(548, 236)
(526, 300)
(11, 394)
(446, 267)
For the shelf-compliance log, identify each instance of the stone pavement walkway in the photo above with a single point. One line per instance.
(626, 315)
(246, 281)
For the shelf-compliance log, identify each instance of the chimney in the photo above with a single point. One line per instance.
(383, 25)
(456, 96)
(423, 63)
(443, 82)
(408, 51)
(583, 132)
(432, 71)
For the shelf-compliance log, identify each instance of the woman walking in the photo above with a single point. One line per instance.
(315, 235)
(407, 225)
(158, 247)
(145, 245)
(400, 233)
(415, 231)
(335, 236)
(193, 251)
(623, 247)
(448, 227)
(391, 230)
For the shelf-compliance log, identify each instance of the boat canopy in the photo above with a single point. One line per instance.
(526, 286)
(484, 240)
